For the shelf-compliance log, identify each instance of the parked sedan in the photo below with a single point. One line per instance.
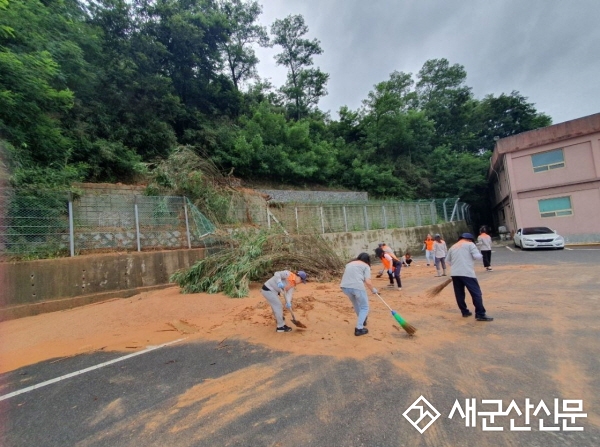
(538, 237)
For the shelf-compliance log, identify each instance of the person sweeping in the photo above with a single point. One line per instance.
(392, 265)
(284, 283)
(357, 276)
(461, 258)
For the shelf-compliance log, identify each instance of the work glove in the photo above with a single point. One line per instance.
(280, 285)
(288, 305)
(374, 291)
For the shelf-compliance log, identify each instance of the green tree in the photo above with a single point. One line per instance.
(446, 100)
(41, 60)
(504, 116)
(386, 104)
(242, 32)
(305, 85)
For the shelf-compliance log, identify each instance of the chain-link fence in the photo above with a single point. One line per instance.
(42, 224)
(336, 217)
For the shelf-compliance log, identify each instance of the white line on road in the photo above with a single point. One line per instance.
(509, 248)
(82, 371)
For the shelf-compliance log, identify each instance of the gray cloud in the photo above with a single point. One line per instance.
(545, 49)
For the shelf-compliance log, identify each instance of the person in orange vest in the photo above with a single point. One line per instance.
(283, 283)
(393, 265)
(428, 248)
(379, 251)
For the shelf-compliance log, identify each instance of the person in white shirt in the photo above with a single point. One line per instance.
(461, 258)
(484, 243)
(356, 276)
(439, 253)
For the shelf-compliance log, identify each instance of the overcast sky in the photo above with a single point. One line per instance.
(548, 50)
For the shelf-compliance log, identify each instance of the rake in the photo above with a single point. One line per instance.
(410, 330)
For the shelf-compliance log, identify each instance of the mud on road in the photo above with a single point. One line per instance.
(543, 344)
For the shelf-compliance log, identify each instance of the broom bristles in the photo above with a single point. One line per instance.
(410, 330)
(437, 289)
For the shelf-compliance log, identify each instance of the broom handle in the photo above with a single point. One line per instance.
(391, 310)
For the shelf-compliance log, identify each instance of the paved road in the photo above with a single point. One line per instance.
(543, 345)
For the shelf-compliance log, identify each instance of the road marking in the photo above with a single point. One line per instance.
(509, 248)
(567, 248)
(83, 371)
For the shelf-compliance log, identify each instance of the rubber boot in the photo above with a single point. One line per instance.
(444, 272)
(439, 272)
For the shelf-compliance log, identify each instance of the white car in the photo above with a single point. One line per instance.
(538, 237)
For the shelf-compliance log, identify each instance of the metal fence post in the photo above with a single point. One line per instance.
(418, 209)
(454, 210)
(384, 217)
(71, 226)
(433, 213)
(297, 224)
(268, 217)
(137, 223)
(345, 218)
(322, 220)
(445, 212)
(187, 225)
(401, 217)
(366, 219)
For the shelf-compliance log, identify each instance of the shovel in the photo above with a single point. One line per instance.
(296, 322)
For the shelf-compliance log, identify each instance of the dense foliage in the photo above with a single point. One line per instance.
(95, 90)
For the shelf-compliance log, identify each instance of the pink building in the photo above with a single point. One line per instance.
(550, 177)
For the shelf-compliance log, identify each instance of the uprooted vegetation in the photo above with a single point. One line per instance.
(254, 256)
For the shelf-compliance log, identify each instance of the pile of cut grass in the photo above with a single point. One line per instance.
(255, 256)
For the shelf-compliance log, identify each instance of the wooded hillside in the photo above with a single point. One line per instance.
(103, 90)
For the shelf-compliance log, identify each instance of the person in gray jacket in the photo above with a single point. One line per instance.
(439, 253)
(282, 282)
(461, 258)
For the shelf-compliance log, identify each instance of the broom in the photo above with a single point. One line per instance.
(437, 289)
(410, 330)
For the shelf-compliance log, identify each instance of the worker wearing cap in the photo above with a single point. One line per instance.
(461, 258)
(282, 282)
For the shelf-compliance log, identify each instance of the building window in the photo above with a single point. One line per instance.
(559, 206)
(546, 161)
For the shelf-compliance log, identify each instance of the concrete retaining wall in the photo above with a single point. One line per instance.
(33, 287)
(290, 196)
(400, 239)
